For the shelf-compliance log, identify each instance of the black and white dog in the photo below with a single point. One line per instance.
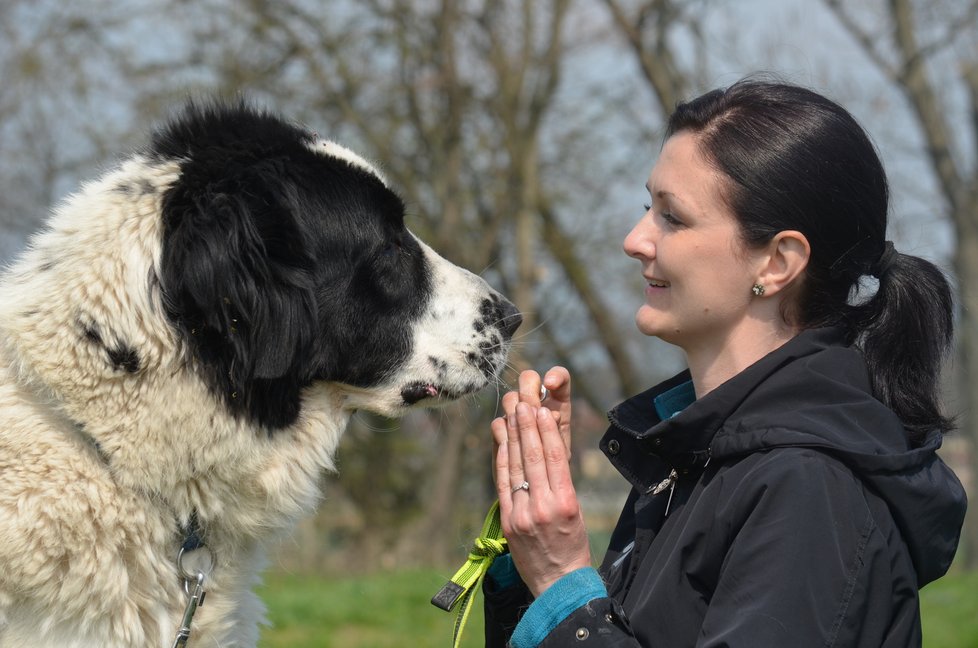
(181, 349)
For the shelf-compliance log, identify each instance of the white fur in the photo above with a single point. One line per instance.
(336, 150)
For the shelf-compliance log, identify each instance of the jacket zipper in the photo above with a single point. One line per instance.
(670, 483)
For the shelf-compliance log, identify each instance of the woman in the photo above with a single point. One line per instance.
(785, 488)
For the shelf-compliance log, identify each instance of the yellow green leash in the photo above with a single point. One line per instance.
(468, 579)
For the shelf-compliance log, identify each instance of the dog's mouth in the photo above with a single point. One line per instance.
(419, 391)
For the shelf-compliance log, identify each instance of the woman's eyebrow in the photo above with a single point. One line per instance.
(661, 193)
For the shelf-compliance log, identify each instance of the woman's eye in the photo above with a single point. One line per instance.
(664, 215)
(669, 218)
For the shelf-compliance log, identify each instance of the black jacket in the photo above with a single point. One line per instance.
(800, 516)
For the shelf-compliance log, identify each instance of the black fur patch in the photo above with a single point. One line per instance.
(93, 335)
(280, 265)
(124, 357)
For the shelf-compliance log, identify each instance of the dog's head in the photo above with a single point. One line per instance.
(286, 261)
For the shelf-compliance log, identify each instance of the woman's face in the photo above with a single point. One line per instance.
(698, 272)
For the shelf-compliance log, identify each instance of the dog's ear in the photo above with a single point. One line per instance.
(238, 281)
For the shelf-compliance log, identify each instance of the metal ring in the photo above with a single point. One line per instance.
(524, 486)
(544, 392)
(202, 563)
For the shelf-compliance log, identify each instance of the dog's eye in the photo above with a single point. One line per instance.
(391, 248)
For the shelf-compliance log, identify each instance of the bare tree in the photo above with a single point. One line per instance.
(40, 57)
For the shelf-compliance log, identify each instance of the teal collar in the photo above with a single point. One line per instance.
(672, 402)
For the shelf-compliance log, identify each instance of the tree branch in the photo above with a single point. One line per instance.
(657, 63)
(917, 87)
(910, 76)
(866, 41)
(562, 248)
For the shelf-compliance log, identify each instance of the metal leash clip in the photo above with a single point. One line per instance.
(196, 600)
(195, 596)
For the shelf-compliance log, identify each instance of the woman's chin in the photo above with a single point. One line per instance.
(649, 322)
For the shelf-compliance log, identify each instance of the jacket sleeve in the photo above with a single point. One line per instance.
(804, 564)
(505, 597)
(601, 623)
(516, 620)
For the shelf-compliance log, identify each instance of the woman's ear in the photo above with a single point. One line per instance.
(787, 257)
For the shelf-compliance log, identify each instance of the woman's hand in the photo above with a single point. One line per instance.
(557, 382)
(542, 522)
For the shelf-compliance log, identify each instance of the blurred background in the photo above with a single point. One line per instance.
(520, 134)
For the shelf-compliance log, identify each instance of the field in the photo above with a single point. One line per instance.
(392, 611)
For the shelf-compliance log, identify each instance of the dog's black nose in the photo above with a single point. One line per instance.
(510, 318)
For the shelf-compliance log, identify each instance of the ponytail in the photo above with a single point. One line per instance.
(905, 333)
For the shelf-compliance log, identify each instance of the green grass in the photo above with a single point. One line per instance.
(379, 611)
(949, 609)
(393, 610)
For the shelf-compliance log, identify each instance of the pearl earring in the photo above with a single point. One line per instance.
(758, 290)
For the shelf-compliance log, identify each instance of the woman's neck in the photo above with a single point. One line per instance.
(712, 365)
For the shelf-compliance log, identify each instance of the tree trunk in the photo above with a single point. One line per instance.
(966, 266)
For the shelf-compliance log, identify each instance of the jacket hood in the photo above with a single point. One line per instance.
(815, 392)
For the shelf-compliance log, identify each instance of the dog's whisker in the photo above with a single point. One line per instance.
(487, 267)
(363, 420)
(525, 334)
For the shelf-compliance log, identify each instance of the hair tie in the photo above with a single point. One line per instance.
(886, 260)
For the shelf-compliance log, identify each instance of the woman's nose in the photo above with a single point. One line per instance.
(639, 243)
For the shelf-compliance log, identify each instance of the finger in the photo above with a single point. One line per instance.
(531, 450)
(500, 460)
(509, 401)
(530, 388)
(555, 454)
(514, 455)
(498, 427)
(558, 382)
